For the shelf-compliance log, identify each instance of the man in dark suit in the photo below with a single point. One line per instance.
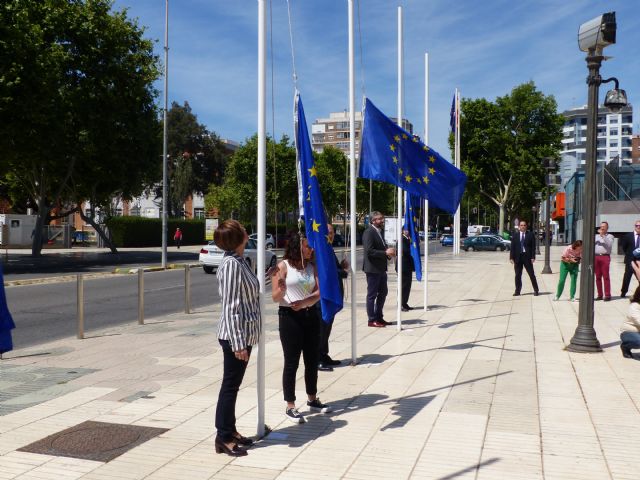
(407, 270)
(523, 254)
(629, 242)
(376, 254)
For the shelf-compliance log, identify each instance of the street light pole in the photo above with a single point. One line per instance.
(584, 339)
(165, 190)
(547, 222)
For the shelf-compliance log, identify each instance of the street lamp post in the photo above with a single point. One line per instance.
(593, 36)
(549, 165)
(536, 221)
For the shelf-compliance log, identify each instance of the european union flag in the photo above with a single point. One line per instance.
(390, 154)
(411, 222)
(316, 222)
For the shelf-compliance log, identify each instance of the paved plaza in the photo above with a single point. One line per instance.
(478, 387)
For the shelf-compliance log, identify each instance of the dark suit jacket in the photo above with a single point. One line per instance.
(375, 258)
(341, 275)
(407, 259)
(529, 246)
(627, 243)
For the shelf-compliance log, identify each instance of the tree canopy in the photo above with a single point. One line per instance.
(502, 145)
(77, 114)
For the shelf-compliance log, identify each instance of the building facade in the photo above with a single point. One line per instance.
(334, 131)
(614, 138)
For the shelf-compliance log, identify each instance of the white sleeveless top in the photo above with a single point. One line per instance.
(300, 284)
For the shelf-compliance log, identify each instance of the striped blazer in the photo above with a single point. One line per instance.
(239, 291)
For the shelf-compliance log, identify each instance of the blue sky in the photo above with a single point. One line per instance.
(483, 48)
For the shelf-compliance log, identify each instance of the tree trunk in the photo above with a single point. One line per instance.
(99, 230)
(501, 228)
(36, 235)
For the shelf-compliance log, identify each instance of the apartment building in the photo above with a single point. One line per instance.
(334, 131)
(614, 132)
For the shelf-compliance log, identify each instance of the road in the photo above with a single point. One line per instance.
(45, 312)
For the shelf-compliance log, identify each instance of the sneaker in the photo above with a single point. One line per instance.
(555, 299)
(293, 415)
(574, 300)
(317, 406)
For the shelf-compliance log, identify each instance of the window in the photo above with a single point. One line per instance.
(613, 131)
(583, 121)
(627, 119)
(613, 119)
(198, 213)
(613, 143)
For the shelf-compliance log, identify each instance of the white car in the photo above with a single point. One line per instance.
(211, 256)
(270, 242)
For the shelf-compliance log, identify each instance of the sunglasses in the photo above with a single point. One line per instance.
(637, 226)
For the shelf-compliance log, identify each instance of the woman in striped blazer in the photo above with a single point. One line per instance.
(238, 330)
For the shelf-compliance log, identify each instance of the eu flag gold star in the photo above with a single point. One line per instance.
(414, 245)
(425, 148)
(432, 171)
(415, 139)
(328, 241)
(313, 171)
(432, 159)
(395, 159)
(408, 178)
(316, 226)
(425, 180)
(397, 138)
(400, 171)
(404, 136)
(392, 147)
(308, 199)
(418, 180)
(415, 219)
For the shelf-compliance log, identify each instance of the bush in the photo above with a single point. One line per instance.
(147, 232)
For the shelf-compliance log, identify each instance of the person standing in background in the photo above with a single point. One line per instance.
(407, 270)
(326, 363)
(522, 255)
(603, 246)
(629, 243)
(376, 253)
(177, 237)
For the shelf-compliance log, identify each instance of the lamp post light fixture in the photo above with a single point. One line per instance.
(593, 37)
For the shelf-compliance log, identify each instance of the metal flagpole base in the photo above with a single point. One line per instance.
(584, 341)
(546, 269)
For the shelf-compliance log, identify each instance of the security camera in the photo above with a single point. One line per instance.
(598, 33)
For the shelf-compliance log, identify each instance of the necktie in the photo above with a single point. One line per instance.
(637, 241)
(522, 241)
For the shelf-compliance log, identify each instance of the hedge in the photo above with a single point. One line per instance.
(147, 232)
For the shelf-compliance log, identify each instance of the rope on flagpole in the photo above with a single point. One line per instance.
(273, 127)
(293, 57)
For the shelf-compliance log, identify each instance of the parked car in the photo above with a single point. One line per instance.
(432, 235)
(211, 256)
(270, 241)
(446, 240)
(505, 242)
(483, 242)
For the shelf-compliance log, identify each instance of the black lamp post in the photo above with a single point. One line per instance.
(536, 221)
(593, 36)
(549, 165)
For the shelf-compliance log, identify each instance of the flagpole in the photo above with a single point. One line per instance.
(426, 202)
(165, 189)
(262, 160)
(399, 219)
(456, 220)
(352, 184)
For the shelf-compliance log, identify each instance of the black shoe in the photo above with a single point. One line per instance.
(240, 440)
(536, 293)
(384, 322)
(516, 294)
(236, 451)
(405, 309)
(331, 361)
(607, 299)
(623, 295)
(323, 367)
(626, 353)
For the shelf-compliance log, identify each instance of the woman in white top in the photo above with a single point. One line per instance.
(295, 288)
(238, 330)
(630, 329)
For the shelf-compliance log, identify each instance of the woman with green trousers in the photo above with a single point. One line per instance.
(569, 265)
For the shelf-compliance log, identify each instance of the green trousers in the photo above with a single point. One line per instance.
(571, 269)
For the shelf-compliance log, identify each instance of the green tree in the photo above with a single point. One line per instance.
(196, 157)
(502, 144)
(77, 115)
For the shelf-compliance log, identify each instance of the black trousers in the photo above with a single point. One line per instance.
(528, 266)
(376, 295)
(407, 278)
(231, 379)
(323, 348)
(299, 333)
(626, 279)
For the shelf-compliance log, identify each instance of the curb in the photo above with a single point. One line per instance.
(171, 266)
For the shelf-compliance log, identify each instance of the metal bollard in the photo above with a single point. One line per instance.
(187, 288)
(140, 296)
(80, 306)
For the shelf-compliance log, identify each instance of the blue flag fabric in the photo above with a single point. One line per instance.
(411, 222)
(316, 222)
(6, 322)
(390, 154)
(452, 120)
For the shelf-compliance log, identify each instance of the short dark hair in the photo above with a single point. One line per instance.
(229, 235)
(576, 244)
(604, 221)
